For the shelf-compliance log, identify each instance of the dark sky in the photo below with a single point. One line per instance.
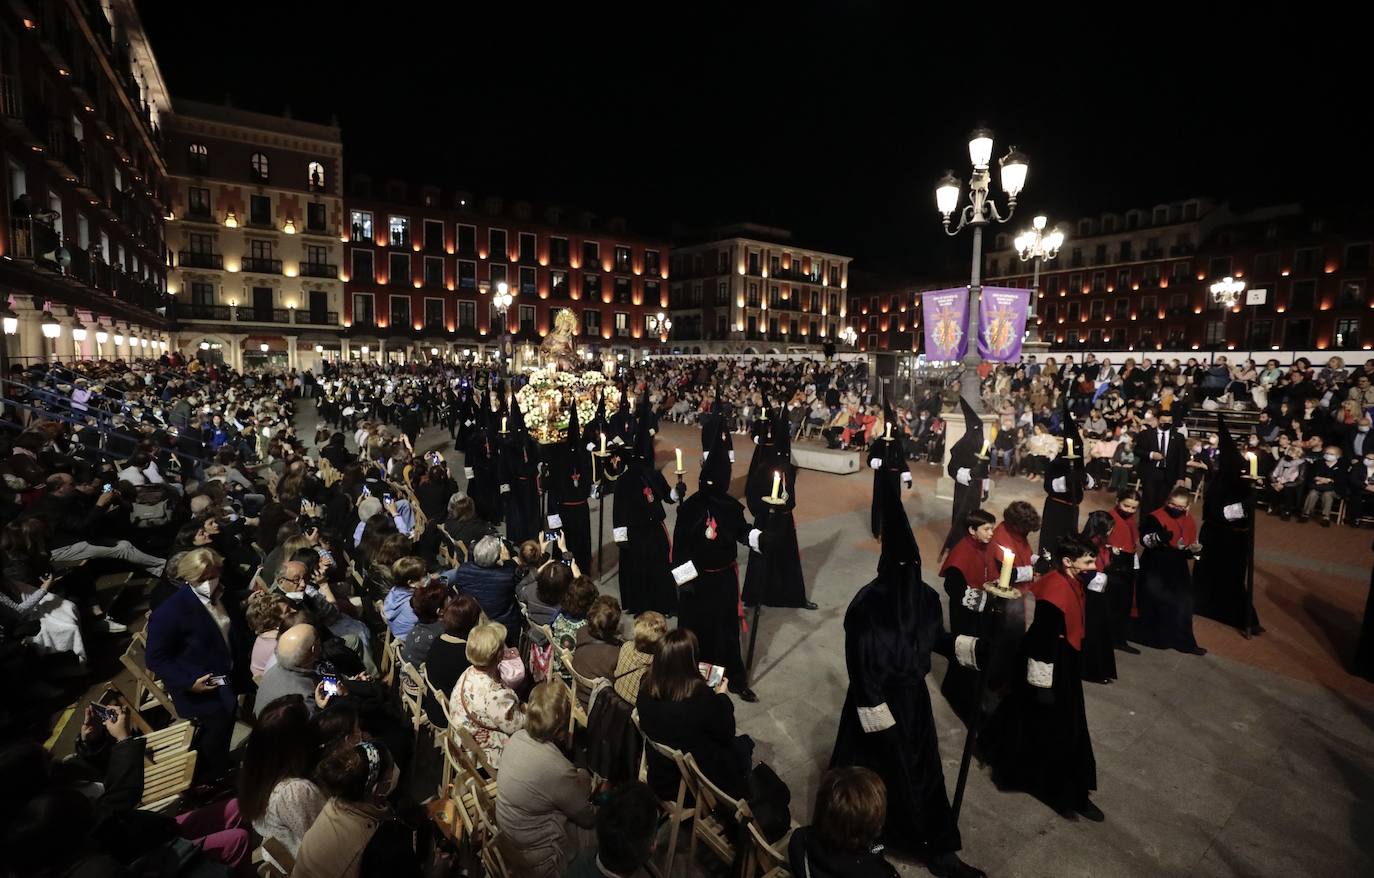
(832, 119)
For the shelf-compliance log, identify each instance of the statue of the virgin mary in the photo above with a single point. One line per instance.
(558, 350)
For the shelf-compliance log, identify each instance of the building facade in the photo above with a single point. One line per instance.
(1140, 281)
(82, 104)
(422, 268)
(750, 289)
(254, 236)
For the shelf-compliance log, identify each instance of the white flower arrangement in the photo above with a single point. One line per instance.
(542, 401)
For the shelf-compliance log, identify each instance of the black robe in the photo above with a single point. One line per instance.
(775, 577)
(1364, 648)
(710, 524)
(1045, 748)
(1219, 575)
(1099, 650)
(520, 490)
(1059, 515)
(646, 556)
(483, 457)
(892, 626)
(570, 480)
(968, 497)
(1164, 594)
(889, 451)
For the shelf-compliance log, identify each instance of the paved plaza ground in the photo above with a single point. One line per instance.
(1257, 759)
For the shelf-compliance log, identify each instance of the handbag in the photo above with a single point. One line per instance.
(511, 669)
(770, 800)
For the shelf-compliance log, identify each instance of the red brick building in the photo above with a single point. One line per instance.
(421, 268)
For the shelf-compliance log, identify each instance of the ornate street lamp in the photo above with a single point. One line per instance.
(659, 325)
(980, 211)
(849, 336)
(503, 300)
(1035, 245)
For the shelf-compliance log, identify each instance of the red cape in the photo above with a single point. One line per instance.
(1182, 531)
(1125, 532)
(972, 559)
(1008, 538)
(1066, 593)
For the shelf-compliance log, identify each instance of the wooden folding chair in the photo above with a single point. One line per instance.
(412, 690)
(711, 803)
(174, 739)
(165, 780)
(492, 839)
(467, 764)
(275, 860)
(766, 860)
(576, 684)
(146, 690)
(677, 811)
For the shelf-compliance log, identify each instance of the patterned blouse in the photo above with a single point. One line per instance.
(481, 704)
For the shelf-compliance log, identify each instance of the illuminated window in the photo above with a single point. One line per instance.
(315, 177)
(467, 274)
(398, 231)
(591, 321)
(260, 167)
(622, 324)
(360, 221)
(199, 158)
(558, 284)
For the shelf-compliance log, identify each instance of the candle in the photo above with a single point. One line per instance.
(777, 479)
(1008, 565)
(679, 459)
(1069, 444)
(503, 424)
(984, 452)
(887, 431)
(603, 443)
(1254, 465)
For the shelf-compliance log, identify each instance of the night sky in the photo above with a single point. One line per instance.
(834, 120)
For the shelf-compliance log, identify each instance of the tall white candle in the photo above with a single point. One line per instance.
(777, 479)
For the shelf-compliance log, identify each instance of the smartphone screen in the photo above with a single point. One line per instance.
(713, 674)
(107, 489)
(331, 685)
(105, 714)
(366, 492)
(386, 498)
(219, 680)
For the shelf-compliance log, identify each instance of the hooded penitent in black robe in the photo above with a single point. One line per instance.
(710, 525)
(1164, 593)
(775, 577)
(481, 460)
(1220, 574)
(646, 556)
(890, 629)
(1059, 516)
(519, 472)
(570, 483)
(966, 457)
(887, 459)
(1038, 739)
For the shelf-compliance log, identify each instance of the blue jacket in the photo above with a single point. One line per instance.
(492, 587)
(184, 644)
(396, 609)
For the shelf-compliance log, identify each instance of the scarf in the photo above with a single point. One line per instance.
(1066, 593)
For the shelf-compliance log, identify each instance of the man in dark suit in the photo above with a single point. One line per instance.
(1163, 457)
(192, 645)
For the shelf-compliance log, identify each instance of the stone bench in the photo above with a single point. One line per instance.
(826, 460)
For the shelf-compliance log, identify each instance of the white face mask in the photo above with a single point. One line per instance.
(207, 589)
(1331, 458)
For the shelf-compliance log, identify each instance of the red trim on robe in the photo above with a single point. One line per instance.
(1125, 532)
(1182, 530)
(972, 559)
(1004, 536)
(1067, 594)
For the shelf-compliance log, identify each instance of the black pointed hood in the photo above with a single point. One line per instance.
(973, 425)
(574, 439)
(715, 466)
(1230, 461)
(517, 417)
(889, 421)
(781, 436)
(1068, 426)
(899, 549)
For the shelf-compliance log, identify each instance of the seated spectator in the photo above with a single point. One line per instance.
(276, 794)
(543, 598)
(539, 792)
(427, 601)
(841, 842)
(201, 655)
(598, 643)
(573, 614)
(264, 613)
(1123, 465)
(490, 579)
(677, 709)
(357, 835)
(480, 702)
(72, 514)
(447, 658)
(1041, 448)
(1286, 483)
(406, 575)
(626, 834)
(293, 673)
(636, 655)
(26, 591)
(464, 525)
(1327, 482)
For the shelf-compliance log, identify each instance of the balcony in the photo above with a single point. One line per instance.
(1152, 253)
(1182, 250)
(318, 318)
(192, 259)
(199, 213)
(201, 311)
(261, 265)
(319, 269)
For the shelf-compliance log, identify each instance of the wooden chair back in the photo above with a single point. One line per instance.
(412, 690)
(146, 690)
(766, 860)
(677, 811)
(165, 780)
(715, 810)
(277, 861)
(578, 684)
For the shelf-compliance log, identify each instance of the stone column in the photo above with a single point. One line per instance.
(292, 355)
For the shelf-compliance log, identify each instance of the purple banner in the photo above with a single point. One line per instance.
(945, 315)
(1002, 324)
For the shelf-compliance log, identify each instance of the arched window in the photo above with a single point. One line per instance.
(198, 156)
(316, 177)
(260, 166)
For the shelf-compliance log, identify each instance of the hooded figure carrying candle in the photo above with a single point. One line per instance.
(710, 524)
(775, 577)
(519, 474)
(646, 556)
(968, 466)
(1221, 574)
(891, 628)
(481, 459)
(570, 483)
(887, 459)
(1065, 481)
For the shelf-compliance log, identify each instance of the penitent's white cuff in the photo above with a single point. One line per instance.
(621, 534)
(876, 463)
(505, 489)
(965, 651)
(1039, 674)
(1025, 574)
(732, 455)
(1234, 511)
(754, 539)
(1098, 583)
(876, 719)
(906, 478)
(1060, 485)
(467, 472)
(962, 475)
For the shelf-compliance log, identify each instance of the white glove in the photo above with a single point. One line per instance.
(1060, 485)
(975, 599)
(505, 489)
(1026, 573)
(591, 446)
(1233, 512)
(596, 492)
(467, 472)
(754, 536)
(756, 440)
(621, 534)
(1092, 483)
(1152, 541)
(672, 494)
(1137, 562)
(652, 431)
(732, 455)
(962, 475)
(1098, 583)
(705, 455)
(876, 463)
(906, 478)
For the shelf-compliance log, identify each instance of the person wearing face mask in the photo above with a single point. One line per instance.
(1121, 565)
(1360, 488)
(357, 834)
(1038, 740)
(1164, 597)
(1359, 440)
(1326, 482)
(968, 567)
(200, 650)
